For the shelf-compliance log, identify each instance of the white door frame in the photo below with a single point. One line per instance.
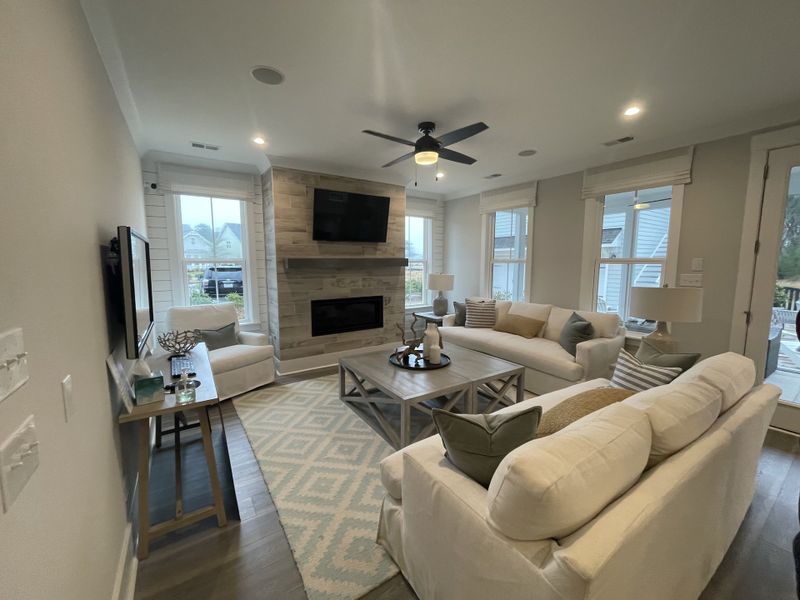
(760, 148)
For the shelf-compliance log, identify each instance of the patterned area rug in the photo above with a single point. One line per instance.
(320, 463)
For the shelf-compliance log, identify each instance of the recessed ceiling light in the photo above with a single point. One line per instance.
(529, 152)
(259, 140)
(267, 75)
(632, 111)
(439, 175)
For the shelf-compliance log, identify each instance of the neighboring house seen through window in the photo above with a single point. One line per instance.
(213, 251)
(418, 252)
(633, 248)
(509, 253)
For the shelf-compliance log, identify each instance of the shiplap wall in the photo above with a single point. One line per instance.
(161, 240)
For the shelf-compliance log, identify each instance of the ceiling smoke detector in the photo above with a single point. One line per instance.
(267, 75)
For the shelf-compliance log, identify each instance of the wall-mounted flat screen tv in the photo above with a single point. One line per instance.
(137, 291)
(348, 217)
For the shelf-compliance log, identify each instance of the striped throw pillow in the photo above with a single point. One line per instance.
(632, 374)
(481, 313)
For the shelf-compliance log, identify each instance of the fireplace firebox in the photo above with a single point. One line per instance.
(339, 315)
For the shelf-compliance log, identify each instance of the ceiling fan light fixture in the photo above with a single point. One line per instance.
(426, 158)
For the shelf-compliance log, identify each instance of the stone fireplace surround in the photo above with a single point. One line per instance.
(300, 269)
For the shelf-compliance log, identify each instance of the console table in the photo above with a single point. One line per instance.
(205, 398)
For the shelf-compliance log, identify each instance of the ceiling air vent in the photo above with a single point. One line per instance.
(622, 140)
(202, 146)
(493, 176)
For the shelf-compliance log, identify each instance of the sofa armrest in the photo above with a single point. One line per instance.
(448, 320)
(253, 338)
(598, 356)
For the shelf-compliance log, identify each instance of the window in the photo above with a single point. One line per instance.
(634, 245)
(418, 252)
(213, 251)
(509, 253)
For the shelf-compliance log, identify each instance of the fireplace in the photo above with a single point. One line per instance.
(339, 315)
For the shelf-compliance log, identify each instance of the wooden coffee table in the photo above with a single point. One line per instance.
(386, 396)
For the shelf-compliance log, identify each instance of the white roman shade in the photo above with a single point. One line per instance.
(507, 198)
(179, 179)
(666, 168)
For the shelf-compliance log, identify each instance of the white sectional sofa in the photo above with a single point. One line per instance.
(547, 365)
(638, 500)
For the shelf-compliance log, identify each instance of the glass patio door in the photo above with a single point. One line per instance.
(772, 336)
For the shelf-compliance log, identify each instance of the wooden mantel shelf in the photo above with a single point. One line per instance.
(344, 262)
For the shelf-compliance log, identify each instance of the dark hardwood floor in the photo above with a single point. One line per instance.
(251, 558)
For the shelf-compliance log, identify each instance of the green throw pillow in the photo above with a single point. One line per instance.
(650, 355)
(476, 444)
(219, 338)
(461, 313)
(576, 330)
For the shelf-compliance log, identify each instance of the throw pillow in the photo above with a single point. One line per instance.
(632, 374)
(576, 330)
(477, 444)
(481, 313)
(461, 313)
(219, 338)
(578, 406)
(650, 355)
(519, 325)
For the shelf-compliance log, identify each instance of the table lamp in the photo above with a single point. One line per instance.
(441, 283)
(663, 304)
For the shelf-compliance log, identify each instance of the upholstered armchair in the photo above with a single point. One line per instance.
(238, 368)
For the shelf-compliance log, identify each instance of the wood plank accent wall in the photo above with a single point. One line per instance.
(288, 204)
(165, 262)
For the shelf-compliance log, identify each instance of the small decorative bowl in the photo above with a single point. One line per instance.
(179, 342)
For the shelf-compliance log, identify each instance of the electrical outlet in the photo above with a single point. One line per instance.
(19, 458)
(66, 395)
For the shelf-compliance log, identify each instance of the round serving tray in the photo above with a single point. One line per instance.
(419, 364)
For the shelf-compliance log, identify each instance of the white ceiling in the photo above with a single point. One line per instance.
(550, 75)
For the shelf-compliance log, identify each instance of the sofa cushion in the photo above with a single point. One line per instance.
(551, 486)
(219, 338)
(578, 406)
(604, 324)
(481, 313)
(203, 316)
(575, 330)
(238, 356)
(632, 374)
(475, 444)
(536, 353)
(679, 413)
(650, 355)
(540, 312)
(519, 325)
(732, 374)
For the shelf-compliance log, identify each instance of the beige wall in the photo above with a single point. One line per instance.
(70, 174)
(557, 241)
(462, 247)
(713, 210)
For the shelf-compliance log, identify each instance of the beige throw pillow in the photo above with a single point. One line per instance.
(519, 325)
(576, 407)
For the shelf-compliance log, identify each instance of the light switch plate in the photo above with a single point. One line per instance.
(19, 458)
(691, 280)
(697, 265)
(66, 395)
(13, 362)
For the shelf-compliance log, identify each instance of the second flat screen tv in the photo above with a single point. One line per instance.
(348, 217)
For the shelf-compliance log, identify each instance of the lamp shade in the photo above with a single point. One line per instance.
(440, 282)
(676, 305)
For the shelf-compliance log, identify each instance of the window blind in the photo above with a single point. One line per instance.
(179, 179)
(510, 197)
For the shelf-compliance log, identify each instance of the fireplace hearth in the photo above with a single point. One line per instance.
(340, 315)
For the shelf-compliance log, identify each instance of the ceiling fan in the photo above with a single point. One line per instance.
(428, 149)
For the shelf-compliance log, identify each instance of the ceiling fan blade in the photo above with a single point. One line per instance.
(388, 137)
(448, 154)
(462, 134)
(400, 159)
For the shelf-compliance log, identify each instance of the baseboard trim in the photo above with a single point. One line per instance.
(318, 361)
(125, 579)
